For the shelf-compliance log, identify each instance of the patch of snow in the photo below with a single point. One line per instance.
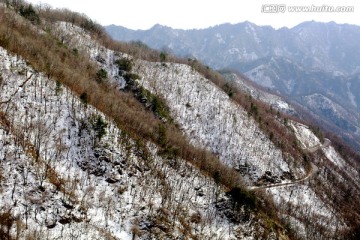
(305, 136)
(219, 38)
(260, 77)
(245, 55)
(275, 101)
(351, 95)
(334, 157)
(233, 51)
(299, 201)
(250, 30)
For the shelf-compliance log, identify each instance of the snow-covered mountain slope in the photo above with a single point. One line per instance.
(77, 38)
(68, 172)
(311, 199)
(211, 119)
(233, 140)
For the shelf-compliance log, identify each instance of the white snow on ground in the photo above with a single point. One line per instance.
(334, 157)
(210, 118)
(302, 195)
(338, 161)
(299, 201)
(309, 141)
(226, 130)
(81, 187)
(351, 96)
(72, 35)
(79, 39)
(305, 136)
(260, 77)
(282, 105)
(219, 38)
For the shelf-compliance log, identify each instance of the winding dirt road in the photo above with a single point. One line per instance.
(312, 172)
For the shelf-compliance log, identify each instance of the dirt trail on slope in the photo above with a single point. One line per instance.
(318, 146)
(312, 172)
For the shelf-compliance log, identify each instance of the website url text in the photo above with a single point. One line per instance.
(282, 8)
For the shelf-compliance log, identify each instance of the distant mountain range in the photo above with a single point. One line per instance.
(313, 65)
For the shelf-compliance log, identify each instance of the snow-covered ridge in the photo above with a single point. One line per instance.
(72, 35)
(77, 38)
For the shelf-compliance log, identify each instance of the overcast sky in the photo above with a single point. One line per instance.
(189, 14)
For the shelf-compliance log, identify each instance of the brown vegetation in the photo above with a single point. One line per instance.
(6, 222)
(46, 54)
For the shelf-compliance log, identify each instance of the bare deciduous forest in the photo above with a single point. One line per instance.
(135, 118)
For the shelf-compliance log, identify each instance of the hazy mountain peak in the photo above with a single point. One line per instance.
(159, 26)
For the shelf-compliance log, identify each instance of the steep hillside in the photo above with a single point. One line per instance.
(211, 119)
(67, 172)
(113, 141)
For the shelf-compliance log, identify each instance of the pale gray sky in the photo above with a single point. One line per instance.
(189, 14)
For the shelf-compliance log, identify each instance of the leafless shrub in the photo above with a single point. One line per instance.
(6, 223)
(195, 218)
(135, 231)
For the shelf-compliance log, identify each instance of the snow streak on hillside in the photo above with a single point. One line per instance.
(60, 179)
